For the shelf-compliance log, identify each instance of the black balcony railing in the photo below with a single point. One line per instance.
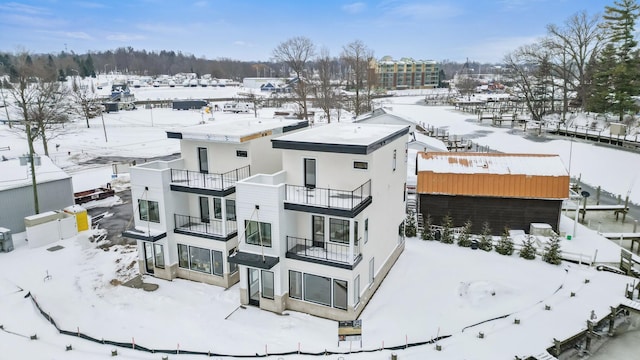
(211, 181)
(328, 198)
(196, 225)
(322, 250)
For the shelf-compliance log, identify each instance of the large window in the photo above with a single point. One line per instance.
(339, 230)
(356, 290)
(258, 233)
(317, 289)
(204, 209)
(218, 269)
(310, 173)
(203, 160)
(159, 254)
(200, 259)
(217, 208)
(231, 209)
(295, 284)
(340, 294)
(183, 256)
(149, 210)
(267, 284)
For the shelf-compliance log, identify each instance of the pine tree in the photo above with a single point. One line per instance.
(528, 250)
(551, 252)
(615, 74)
(464, 239)
(505, 244)
(427, 231)
(447, 233)
(486, 240)
(410, 229)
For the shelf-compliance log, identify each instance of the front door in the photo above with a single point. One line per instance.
(318, 231)
(254, 287)
(148, 257)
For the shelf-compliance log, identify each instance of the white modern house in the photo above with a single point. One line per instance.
(184, 209)
(320, 235)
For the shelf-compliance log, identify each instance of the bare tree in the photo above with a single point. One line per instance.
(24, 94)
(48, 111)
(357, 56)
(530, 69)
(86, 100)
(325, 93)
(579, 41)
(295, 53)
(255, 99)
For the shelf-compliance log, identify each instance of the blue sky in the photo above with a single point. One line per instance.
(481, 30)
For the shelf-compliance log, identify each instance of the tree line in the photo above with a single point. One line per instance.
(590, 62)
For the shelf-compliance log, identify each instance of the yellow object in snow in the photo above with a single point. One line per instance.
(82, 218)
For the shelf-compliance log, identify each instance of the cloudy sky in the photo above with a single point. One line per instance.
(481, 30)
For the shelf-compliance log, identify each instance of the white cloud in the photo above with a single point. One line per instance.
(242, 43)
(76, 35)
(125, 37)
(354, 8)
(202, 3)
(22, 8)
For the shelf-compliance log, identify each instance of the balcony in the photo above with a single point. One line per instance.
(213, 184)
(345, 203)
(327, 253)
(215, 229)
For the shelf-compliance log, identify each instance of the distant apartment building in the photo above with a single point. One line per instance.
(406, 73)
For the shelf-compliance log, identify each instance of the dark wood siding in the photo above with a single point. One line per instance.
(512, 212)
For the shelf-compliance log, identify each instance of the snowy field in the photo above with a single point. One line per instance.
(434, 289)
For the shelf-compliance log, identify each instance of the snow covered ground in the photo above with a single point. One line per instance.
(434, 289)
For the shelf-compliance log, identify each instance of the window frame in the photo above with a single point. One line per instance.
(217, 208)
(219, 269)
(158, 255)
(144, 208)
(360, 165)
(266, 240)
(344, 231)
(306, 293)
(344, 296)
(183, 250)
(202, 267)
(267, 293)
(297, 276)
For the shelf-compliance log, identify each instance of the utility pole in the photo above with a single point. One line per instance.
(34, 183)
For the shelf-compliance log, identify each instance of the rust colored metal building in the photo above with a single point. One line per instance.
(512, 190)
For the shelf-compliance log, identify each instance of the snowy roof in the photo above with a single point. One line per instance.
(236, 130)
(535, 176)
(430, 143)
(13, 175)
(354, 138)
(492, 163)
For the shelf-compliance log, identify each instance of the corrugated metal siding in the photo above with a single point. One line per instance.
(498, 185)
(17, 203)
